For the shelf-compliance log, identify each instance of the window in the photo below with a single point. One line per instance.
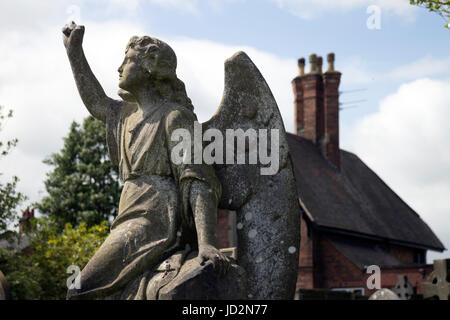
(355, 290)
(419, 257)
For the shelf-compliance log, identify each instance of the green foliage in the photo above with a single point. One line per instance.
(9, 197)
(441, 7)
(83, 185)
(40, 271)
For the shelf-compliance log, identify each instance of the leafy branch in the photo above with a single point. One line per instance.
(441, 7)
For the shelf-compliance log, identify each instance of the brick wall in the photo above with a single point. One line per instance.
(389, 277)
(403, 254)
(330, 142)
(322, 266)
(226, 229)
(334, 270)
(223, 240)
(305, 278)
(298, 105)
(312, 107)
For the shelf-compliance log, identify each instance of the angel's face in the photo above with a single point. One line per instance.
(132, 72)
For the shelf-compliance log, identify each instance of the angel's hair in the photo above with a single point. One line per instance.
(165, 69)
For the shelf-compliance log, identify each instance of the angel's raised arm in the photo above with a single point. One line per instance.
(91, 92)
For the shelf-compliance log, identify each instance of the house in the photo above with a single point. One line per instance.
(11, 240)
(350, 218)
(18, 243)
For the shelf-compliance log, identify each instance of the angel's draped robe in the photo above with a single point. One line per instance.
(154, 219)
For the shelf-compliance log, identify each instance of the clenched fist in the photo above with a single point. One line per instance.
(73, 37)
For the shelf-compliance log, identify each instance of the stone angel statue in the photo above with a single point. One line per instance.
(165, 233)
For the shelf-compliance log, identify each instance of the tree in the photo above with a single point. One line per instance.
(83, 186)
(40, 272)
(9, 197)
(441, 7)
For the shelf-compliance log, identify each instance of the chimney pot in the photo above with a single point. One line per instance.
(301, 66)
(319, 65)
(313, 63)
(330, 59)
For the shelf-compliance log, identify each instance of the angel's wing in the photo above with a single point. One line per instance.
(268, 214)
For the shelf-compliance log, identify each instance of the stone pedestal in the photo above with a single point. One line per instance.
(201, 282)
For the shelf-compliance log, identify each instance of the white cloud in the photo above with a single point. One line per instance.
(359, 71)
(201, 67)
(192, 6)
(355, 71)
(189, 6)
(25, 14)
(424, 67)
(305, 9)
(132, 4)
(36, 81)
(406, 143)
(309, 9)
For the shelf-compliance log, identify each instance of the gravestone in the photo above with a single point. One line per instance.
(384, 294)
(438, 283)
(403, 288)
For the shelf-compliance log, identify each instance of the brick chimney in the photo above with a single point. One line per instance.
(308, 90)
(330, 143)
(317, 106)
(25, 221)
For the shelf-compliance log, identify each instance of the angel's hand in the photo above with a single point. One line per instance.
(73, 37)
(220, 261)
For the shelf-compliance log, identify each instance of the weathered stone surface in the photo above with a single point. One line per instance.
(268, 222)
(201, 282)
(4, 287)
(166, 205)
(438, 284)
(384, 294)
(403, 289)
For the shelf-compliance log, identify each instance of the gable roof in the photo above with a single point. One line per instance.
(354, 200)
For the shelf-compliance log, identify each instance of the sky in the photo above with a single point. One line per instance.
(394, 60)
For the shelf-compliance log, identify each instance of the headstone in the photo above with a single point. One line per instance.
(384, 294)
(403, 288)
(438, 283)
